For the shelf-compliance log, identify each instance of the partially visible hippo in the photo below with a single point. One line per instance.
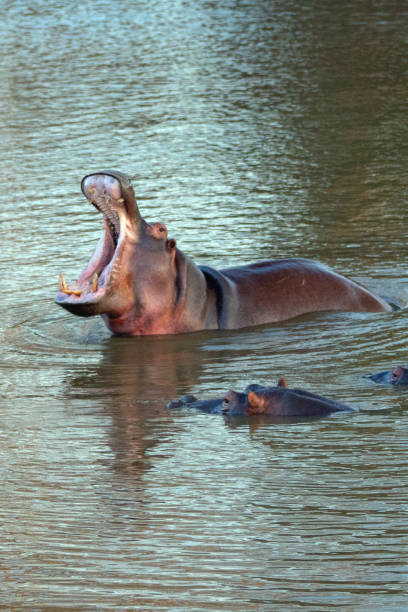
(276, 401)
(141, 284)
(396, 376)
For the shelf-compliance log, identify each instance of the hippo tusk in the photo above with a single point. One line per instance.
(62, 285)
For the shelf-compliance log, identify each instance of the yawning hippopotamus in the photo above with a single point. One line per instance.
(142, 284)
(271, 401)
(396, 376)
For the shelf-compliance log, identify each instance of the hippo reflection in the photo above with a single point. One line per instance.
(396, 376)
(279, 401)
(141, 284)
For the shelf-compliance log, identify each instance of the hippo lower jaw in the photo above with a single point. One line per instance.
(92, 293)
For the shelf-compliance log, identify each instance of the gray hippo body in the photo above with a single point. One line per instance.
(279, 401)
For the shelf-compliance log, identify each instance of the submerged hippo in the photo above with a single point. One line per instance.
(142, 284)
(272, 401)
(396, 376)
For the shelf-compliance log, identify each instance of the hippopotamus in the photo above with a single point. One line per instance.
(396, 376)
(141, 283)
(279, 401)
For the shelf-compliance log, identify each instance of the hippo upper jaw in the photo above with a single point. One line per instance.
(94, 291)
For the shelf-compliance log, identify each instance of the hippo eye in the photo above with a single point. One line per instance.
(225, 404)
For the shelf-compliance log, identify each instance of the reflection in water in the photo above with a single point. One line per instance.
(253, 130)
(136, 375)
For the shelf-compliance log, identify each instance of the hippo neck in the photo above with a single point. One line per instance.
(225, 295)
(192, 308)
(197, 299)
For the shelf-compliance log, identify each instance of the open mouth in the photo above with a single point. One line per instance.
(104, 191)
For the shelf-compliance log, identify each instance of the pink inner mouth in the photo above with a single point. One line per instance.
(105, 193)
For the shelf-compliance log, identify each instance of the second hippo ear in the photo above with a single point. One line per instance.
(170, 245)
(256, 403)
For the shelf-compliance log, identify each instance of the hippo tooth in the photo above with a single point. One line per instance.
(71, 292)
(62, 285)
(121, 200)
(95, 282)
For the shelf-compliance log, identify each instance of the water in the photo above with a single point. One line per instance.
(254, 131)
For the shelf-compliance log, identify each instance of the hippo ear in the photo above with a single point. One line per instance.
(170, 245)
(282, 382)
(256, 403)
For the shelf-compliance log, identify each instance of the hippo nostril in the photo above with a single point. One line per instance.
(225, 405)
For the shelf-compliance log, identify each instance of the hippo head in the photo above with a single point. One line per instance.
(256, 399)
(235, 403)
(133, 278)
(399, 376)
(250, 403)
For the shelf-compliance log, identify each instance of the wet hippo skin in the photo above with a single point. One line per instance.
(396, 376)
(141, 283)
(279, 401)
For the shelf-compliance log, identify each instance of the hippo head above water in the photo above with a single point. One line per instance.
(256, 400)
(279, 401)
(141, 283)
(396, 376)
(135, 272)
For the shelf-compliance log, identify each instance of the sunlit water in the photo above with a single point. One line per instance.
(254, 131)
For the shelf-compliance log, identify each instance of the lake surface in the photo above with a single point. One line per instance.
(254, 130)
